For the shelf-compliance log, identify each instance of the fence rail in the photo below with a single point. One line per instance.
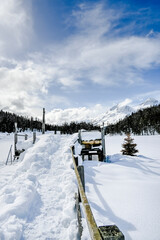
(108, 232)
(93, 229)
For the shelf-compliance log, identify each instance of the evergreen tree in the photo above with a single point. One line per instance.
(129, 148)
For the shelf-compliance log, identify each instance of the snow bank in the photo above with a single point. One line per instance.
(147, 145)
(37, 202)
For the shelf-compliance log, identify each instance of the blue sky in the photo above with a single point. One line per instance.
(61, 54)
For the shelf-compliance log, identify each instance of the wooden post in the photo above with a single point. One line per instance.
(43, 122)
(79, 136)
(89, 156)
(15, 125)
(76, 161)
(81, 174)
(92, 226)
(79, 216)
(25, 136)
(73, 149)
(15, 139)
(103, 141)
(34, 137)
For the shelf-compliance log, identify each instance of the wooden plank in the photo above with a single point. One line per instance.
(91, 142)
(93, 229)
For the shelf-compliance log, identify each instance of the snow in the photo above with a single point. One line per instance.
(121, 110)
(147, 145)
(37, 191)
(6, 140)
(126, 191)
(90, 135)
(149, 102)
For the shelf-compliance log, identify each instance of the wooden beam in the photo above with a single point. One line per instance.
(93, 229)
(111, 232)
(91, 142)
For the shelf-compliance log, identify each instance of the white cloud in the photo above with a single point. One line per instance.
(24, 87)
(92, 20)
(60, 116)
(15, 25)
(95, 53)
(20, 87)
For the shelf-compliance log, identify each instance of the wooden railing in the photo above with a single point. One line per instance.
(109, 232)
(92, 226)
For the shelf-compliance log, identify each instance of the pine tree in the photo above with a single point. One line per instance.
(129, 148)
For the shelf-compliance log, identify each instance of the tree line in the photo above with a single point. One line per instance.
(143, 122)
(73, 127)
(8, 119)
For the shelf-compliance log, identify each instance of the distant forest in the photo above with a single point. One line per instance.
(7, 121)
(142, 122)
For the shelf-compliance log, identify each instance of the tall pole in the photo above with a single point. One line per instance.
(15, 138)
(43, 122)
(103, 141)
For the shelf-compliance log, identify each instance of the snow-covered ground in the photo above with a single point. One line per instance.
(37, 192)
(126, 192)
(7, 139)
(148, 145)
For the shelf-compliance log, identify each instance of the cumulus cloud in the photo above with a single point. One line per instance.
(15, 26)
(60, 116)
(95, 53)
(24, 87)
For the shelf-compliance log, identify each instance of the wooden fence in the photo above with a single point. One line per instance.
(92, 226)
(110, 232)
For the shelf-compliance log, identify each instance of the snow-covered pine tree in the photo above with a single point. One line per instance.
(129, 148)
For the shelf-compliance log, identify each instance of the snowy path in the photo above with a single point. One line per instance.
(38, 202)
(57, 199)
